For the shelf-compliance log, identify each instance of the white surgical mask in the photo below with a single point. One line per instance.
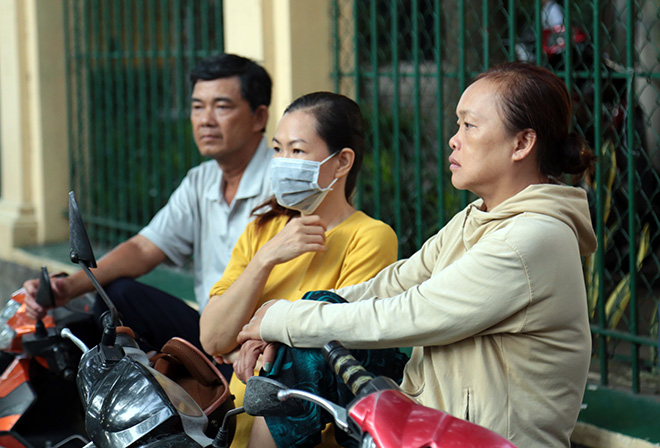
(295, 183)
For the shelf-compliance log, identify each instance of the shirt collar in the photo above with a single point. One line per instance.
(252, 179)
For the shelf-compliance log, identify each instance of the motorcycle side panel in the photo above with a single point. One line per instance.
(8, 440)
(395, 420)
(16, 393)
(16, 374)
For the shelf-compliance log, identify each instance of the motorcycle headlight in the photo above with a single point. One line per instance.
(367, 441)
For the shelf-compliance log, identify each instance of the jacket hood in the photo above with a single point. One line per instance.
(567, 204)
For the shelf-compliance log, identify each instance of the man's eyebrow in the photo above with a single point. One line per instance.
(217, 99)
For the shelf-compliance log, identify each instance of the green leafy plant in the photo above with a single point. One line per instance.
(618, 299)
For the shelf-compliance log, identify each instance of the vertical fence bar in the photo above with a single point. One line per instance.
(600, 226)
(512, 29)
(156, 137)
(485, 14)
(568, 52)
(88, 148)
(110, 122)
(132, 150)
(167, 94)
(336, 69)
(119, 133)
(440, 115)
(396, 134)
(356, 52)
(538, 32)
(100, 106)
(419, 237)
(204, 18)
(375, 104)
(632, 188)
(357, 75)
(462, 70)
(179, 90)
(220, 36)
(190, 155)
(396, 147)
(143, 120)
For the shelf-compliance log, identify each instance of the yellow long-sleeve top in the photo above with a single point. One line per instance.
(357, 249)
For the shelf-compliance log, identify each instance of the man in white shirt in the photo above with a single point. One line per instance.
(204, 216)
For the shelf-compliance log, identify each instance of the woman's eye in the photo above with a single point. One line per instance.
(468, 125)
(298, 151)
(276, 149)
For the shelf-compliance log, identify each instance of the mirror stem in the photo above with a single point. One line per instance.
(101, 291)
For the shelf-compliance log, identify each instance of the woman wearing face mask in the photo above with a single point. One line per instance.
(309, 236)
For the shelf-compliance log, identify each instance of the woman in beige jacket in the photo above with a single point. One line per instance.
(495, 302)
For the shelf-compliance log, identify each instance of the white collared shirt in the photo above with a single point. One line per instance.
(198, 222)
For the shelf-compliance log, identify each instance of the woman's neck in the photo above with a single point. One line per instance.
(496, 196)
(334, 209)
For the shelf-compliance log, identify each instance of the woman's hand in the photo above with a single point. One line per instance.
(300, 235)
(252, 330)
(248, 358)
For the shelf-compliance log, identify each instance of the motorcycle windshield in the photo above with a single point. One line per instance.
(132, 401)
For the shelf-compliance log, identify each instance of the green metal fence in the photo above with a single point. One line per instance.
(407, 61)
(130, 136)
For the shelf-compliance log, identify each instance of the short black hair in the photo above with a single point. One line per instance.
(256, 84)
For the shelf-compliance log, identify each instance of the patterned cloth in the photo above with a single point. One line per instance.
(305, 369)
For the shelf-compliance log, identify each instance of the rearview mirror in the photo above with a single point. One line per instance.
(81, 248)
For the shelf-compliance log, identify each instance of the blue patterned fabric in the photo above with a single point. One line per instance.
(305, 369)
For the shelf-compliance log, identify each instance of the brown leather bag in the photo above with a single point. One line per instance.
(191, 369)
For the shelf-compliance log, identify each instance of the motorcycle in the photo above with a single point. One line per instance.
(381, 416)
(38, 404)
(130, 400)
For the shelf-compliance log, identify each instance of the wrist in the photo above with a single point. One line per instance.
(263, 261)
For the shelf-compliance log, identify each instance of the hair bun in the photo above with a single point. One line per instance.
(576, 155)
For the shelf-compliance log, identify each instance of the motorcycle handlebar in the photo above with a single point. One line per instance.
(346, 366)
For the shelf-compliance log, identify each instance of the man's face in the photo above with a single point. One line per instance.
(224, 127)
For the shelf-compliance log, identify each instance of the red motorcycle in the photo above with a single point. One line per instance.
(381, 416)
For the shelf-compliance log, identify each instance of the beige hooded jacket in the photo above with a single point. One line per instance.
(495, 306)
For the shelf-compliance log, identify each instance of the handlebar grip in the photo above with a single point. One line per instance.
(346, 366)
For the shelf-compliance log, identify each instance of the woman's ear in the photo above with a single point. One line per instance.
(345, 160)
(525, 143)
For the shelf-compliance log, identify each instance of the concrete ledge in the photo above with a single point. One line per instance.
(32, 261)
(591, 436)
